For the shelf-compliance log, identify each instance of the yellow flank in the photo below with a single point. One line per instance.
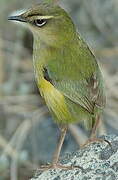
(54, 100)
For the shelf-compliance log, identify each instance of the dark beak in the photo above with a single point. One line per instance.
(17, 18)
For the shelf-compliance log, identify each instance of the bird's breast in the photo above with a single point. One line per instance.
(54, 100)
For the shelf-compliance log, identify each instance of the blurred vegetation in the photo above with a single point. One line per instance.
(25, 122)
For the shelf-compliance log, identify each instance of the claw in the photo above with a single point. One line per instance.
(58, 166)
(92, 140)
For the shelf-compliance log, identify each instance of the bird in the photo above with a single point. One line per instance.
(66, 70)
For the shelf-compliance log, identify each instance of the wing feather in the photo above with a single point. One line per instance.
(76, 74)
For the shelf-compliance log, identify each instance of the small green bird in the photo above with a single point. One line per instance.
(66, 71)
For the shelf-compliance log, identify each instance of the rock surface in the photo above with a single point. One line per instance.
(98, 160)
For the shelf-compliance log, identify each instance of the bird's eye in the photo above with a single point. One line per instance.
(40, 22)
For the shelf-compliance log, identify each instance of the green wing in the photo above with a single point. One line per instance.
(83, 93)
(77, 76)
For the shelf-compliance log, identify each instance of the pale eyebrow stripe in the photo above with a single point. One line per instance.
(44, 17)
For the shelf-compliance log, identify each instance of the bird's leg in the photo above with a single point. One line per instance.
(57, 151)
(94, 129)
(93, 137)
(59, 145)
(55, 163)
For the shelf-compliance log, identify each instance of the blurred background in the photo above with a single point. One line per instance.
(27, 133)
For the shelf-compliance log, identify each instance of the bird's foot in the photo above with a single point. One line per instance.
(93, 140)
(58, 166)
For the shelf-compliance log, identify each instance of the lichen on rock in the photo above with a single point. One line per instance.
(98, 160)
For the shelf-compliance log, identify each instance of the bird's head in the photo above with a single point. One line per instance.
(48, 22)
